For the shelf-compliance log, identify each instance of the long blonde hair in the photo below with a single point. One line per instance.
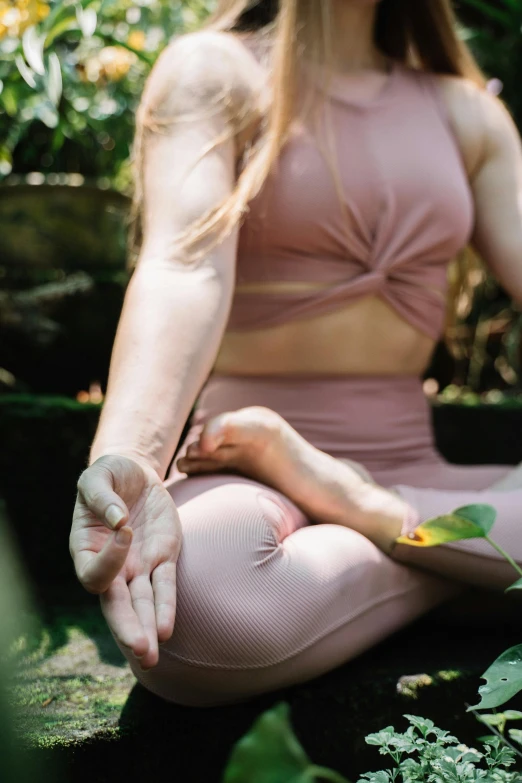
(419, 33)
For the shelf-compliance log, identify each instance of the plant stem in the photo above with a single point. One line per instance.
(327, 774)
(497, 732)
(505, 555)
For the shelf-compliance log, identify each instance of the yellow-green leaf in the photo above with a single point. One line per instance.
(473, 521)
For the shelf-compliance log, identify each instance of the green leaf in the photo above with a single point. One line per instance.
(9, 100)
(516, 734)
(473, 521)
(54, 83)
(503, 680)
(498, 719)
(423, 725)
(513, 715)
(62, 26)
(87, 19)
(375, 777)
(269, 753)
(33, 46)
(480, 514)
(25, 72)
(515, 586)
(6, 161)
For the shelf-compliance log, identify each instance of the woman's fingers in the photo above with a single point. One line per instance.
(121, 618)
(142, 598)
(95, 488)
(164, 587)
(96, 571)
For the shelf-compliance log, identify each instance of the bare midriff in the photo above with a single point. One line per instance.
(366, 337)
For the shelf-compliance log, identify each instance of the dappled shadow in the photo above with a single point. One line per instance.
(53, 621)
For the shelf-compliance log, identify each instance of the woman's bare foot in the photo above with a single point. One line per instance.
(258, 443)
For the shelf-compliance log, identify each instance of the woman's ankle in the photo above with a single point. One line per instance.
(380, 516)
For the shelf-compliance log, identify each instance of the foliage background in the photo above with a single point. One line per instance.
(72, 71)
(71, 74)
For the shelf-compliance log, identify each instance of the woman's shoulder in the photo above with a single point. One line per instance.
(472, 110)
(200, 68)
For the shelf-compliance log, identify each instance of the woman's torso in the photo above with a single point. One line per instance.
(356, 286)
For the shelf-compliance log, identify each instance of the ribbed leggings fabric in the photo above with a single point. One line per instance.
(266, 598)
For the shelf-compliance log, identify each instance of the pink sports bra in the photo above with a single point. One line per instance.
(407, 211)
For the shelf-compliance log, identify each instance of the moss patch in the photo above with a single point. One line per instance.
(71, 681)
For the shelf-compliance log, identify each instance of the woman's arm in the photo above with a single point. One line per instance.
(175, 312)
(492, 151)
(497, 188)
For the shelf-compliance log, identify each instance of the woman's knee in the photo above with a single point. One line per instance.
(229, 572)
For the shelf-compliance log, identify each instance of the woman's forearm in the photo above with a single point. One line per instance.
(168, 336)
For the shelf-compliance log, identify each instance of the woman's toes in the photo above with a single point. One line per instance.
(248, 427)
(193, 451)
(191, 466)
(222, 458)
(214, 434)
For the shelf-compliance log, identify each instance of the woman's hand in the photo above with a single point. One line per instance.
(125, 541)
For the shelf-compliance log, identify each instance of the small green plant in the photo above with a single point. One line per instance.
(271, 753)
(504, 676)
(427, 754)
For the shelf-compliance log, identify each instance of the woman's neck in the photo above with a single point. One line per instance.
(352, 42)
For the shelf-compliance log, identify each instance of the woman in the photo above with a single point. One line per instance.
(302, 189)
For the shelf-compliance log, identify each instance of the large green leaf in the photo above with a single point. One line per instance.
(473, 521)
(503, 680)
(269, 753)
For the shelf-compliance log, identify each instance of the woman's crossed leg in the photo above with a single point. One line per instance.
(267, 599)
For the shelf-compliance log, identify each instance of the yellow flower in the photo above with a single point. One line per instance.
(115, 62)
(110, 64)
(17, 15)
(137, 40)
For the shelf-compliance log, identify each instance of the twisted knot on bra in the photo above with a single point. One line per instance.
(418, 301)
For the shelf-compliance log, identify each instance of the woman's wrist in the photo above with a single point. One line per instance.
(148, 462)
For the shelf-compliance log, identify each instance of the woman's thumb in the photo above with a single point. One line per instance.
(95, 487)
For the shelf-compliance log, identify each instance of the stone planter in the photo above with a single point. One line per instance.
(479, 434)
(63, 260)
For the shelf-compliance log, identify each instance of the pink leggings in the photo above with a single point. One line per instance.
(266, 598)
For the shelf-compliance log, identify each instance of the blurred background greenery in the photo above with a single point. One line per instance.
(71, 73)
